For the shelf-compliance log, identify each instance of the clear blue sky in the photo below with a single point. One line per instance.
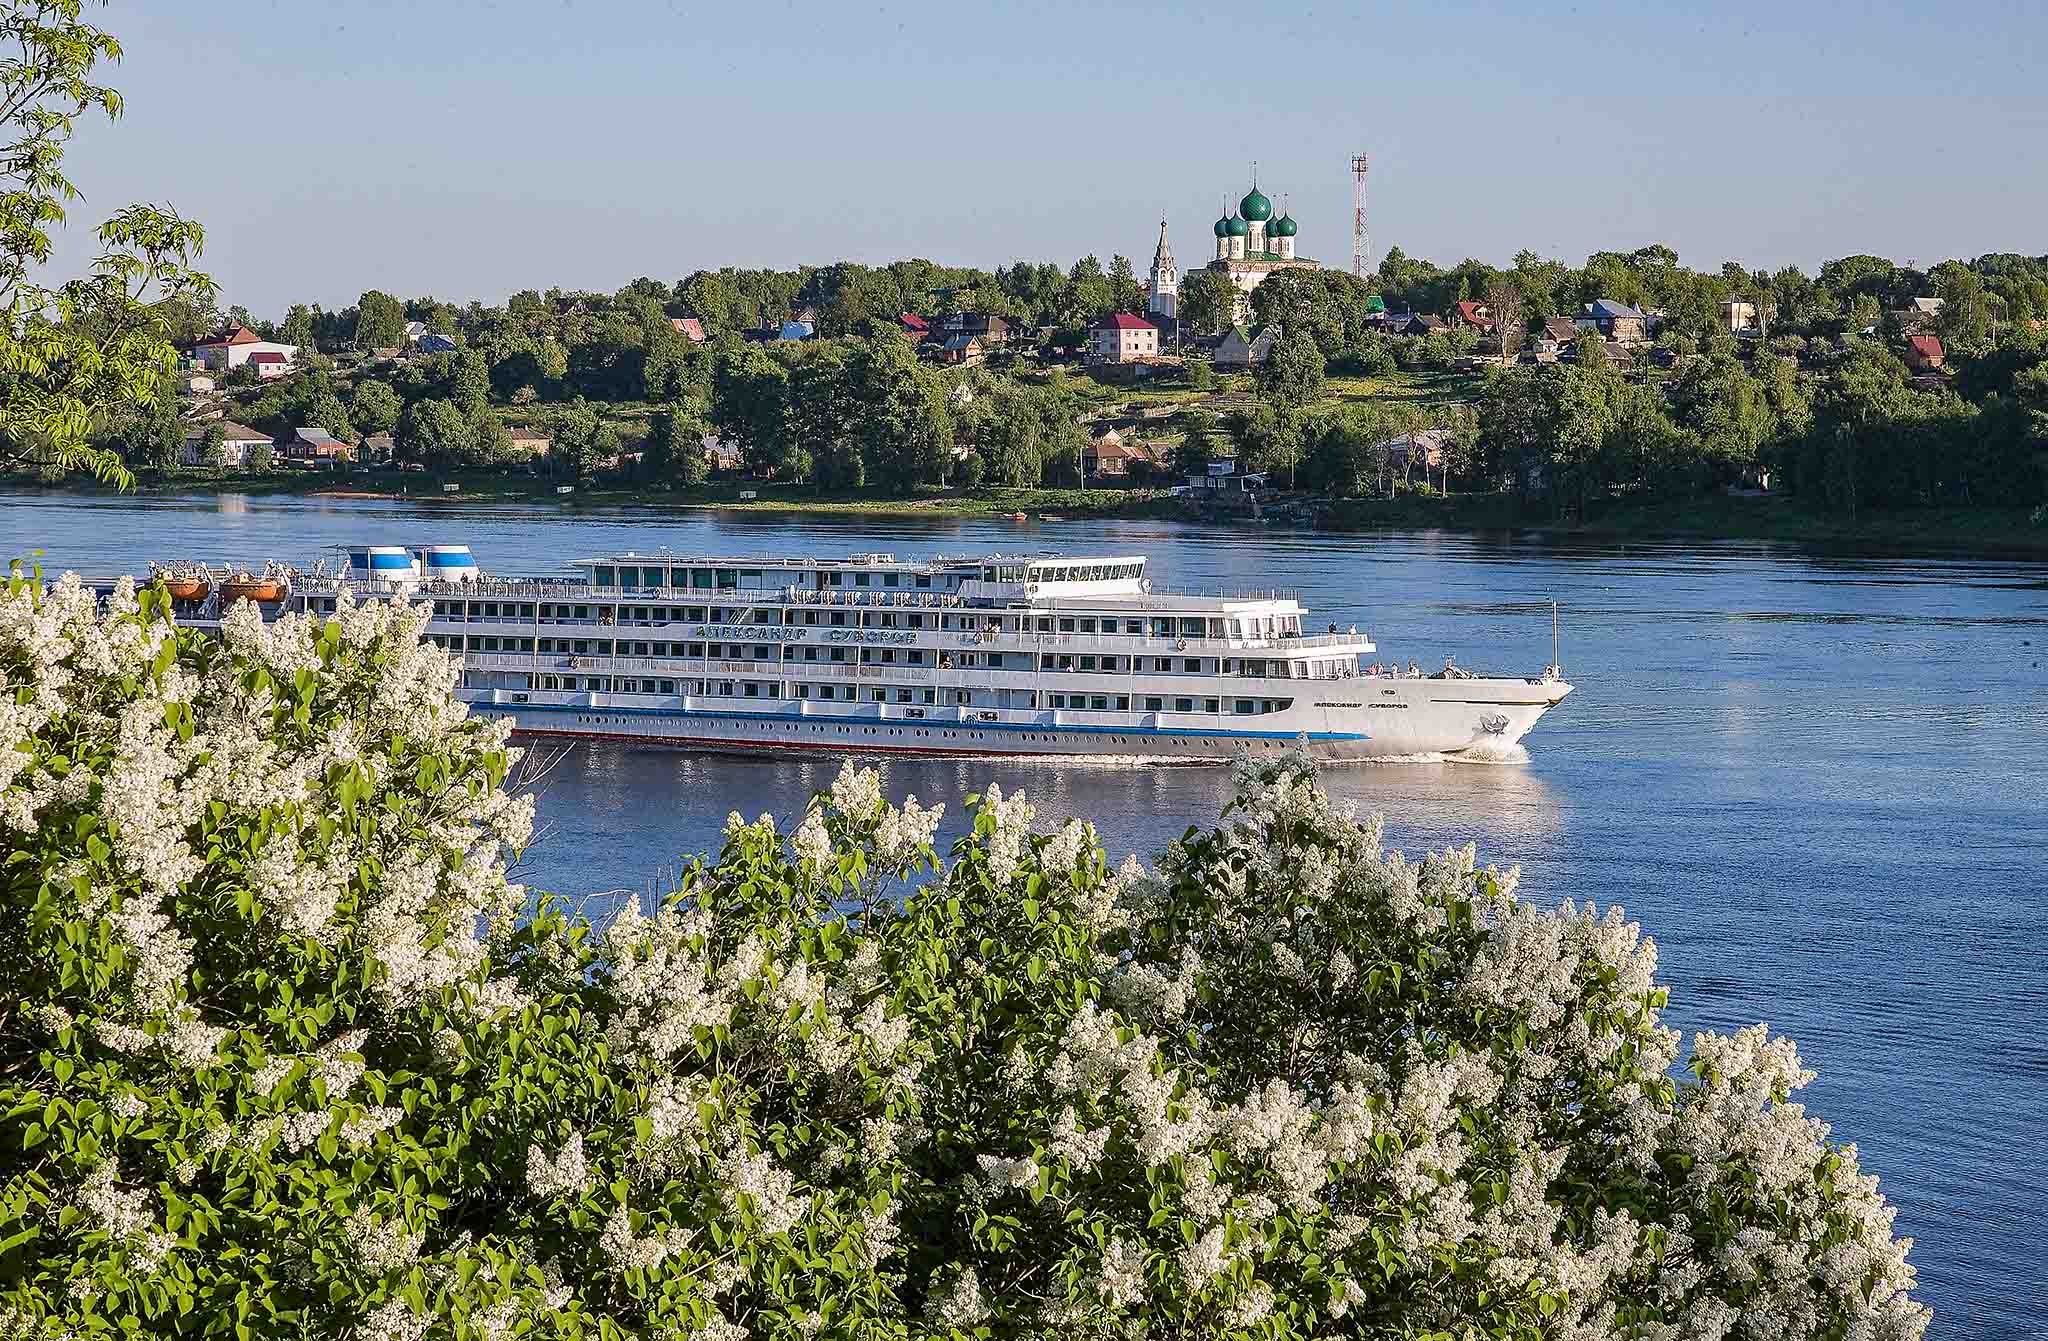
(468, 148)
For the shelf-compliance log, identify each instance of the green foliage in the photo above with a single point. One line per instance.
(380, 321)
(673, 454)
(1206, 303)
(582, 442)
(437, 434)
(287, 1055)
(373, 407)
(1292, 376)
(74, 357)
(213, 448)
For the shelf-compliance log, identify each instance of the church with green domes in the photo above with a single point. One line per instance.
(1251, 244)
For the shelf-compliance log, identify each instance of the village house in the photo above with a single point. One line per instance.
(963, 351)
(432, 343)
(1240, 348)
(914, 327)
(315, 447)
(1739, 316)
(1615, 321)
(1222, 476)
(1471, 315)
(721, 455)
(1919, 316)
(1110, 456)
(378, 447)
(196, 384)
(268, 363)
(987, 327)
(415, 331)
(791, 331)
(237, 442)
(1122, 337)
(228, 351)
(1422, 323)
(690, 328)
(531, 441)
(1924, 353)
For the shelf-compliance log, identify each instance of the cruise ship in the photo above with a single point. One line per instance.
(1020, 655)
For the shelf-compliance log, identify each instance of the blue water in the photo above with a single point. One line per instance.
(1818, 780)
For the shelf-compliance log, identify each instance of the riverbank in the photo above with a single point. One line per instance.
(1945, 530)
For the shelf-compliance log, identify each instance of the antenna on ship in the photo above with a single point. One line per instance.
(1556, 669)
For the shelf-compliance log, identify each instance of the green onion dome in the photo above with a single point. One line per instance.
(1238, 227)
(1255, 207)
(1282, 226)
(1223, 227)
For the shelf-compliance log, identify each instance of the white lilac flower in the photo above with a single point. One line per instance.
(565, 1172)
(958, 1301)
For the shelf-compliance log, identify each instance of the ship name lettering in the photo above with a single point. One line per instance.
(760, 633)
(870, 636)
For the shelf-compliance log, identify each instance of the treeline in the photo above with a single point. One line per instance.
(1816, 400)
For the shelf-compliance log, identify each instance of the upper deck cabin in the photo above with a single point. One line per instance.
(995, 580)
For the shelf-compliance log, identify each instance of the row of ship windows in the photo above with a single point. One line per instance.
(1253, 667)
(948, 733)
(1157, 627)
(848, 694)
(630, 576)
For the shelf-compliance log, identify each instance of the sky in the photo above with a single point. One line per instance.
(470, 148)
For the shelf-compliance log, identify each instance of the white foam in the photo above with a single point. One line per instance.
(1486, 752)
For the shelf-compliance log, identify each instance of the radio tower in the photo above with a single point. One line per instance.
(1358, 236)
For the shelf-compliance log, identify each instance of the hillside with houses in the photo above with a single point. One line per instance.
(1562, 389)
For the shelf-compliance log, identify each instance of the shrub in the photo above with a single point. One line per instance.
(289, 1054)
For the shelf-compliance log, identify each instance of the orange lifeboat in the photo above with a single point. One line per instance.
(187, 588)
(261, 589)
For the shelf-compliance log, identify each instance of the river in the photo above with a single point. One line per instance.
(1818, 780)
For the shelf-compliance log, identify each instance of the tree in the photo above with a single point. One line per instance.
(674, 451)
(154, 437)
(288, 1042)
(1206, 303)
(750, 406)
(470, 385)
(213, 449)
(437, 434)
(297, 328)
(582, 441)
(1509, 324)
(373, 407)
(78, 354)
(1292, 376)
(901, 423)
(260, 458)
(380, 321)
(326, 412)
(1123, 283)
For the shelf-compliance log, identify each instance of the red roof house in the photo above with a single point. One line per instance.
(689, 328)
(1477, 315)
(1122, 337)
(1924, 353)
(914, 326)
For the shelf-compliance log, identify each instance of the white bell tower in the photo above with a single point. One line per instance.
(1165, 280)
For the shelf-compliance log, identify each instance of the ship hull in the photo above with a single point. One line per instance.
(1390, 720)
